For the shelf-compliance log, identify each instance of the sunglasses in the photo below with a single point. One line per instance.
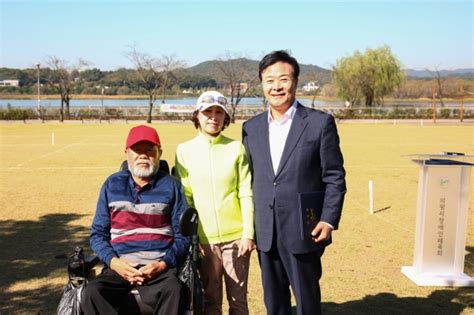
(210, 99)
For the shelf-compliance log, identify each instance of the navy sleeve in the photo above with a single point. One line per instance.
(246, 145)
(100, 232)
(333, 173)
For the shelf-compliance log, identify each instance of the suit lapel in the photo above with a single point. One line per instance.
(297, 127)
(264, 144)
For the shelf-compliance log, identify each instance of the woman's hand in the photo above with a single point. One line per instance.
(246, 246)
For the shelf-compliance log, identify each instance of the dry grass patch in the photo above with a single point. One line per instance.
(49, 194)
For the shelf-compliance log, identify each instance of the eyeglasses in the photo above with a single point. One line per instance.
(211, 99)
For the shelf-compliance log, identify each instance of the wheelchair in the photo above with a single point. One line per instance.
(80, 266)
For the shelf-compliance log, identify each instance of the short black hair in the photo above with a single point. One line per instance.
(278, 56)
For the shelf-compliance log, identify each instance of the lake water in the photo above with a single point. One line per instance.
(251, 101)
(191, 101)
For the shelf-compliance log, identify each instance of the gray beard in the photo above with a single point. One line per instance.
(141, 172)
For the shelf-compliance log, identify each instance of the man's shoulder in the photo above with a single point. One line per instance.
(256, 120)
(116, 181)
(119, 176)
(167, 179)
(317, 114)
(123, 178)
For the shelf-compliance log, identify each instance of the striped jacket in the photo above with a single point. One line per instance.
(140, 224)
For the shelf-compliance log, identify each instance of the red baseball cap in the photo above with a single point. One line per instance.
(142, 133)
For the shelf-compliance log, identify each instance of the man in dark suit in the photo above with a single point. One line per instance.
(292, 149)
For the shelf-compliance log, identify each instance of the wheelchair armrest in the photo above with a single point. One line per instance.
(188, 226)
(91, 261)
(188, 222)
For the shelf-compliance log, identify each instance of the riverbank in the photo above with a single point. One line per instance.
(81, 97)
(192, 96)
(415, 122)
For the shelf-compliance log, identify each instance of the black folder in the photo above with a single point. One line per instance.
(310, 209)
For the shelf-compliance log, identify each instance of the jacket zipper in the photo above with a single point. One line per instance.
(213, 191)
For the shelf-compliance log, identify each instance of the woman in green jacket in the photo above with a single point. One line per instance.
(214, 171)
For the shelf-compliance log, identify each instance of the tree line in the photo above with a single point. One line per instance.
(91, 81)
(366, 78)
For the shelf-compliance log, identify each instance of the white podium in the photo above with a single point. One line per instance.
(441, 221)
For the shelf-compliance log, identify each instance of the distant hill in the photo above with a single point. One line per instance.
(315, 73)
(211, 68)
(307, 72)
(467, 73)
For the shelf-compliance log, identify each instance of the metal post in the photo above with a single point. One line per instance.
(101, 105)
(433, 105)
(102, 102)
(38, 83)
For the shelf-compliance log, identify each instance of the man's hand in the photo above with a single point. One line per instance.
(126, 269)
(322, 232)
(153, 270)
(246, 246)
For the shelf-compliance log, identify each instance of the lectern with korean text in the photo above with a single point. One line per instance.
(441, 221)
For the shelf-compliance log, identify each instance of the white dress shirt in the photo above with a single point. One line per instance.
(278, 132)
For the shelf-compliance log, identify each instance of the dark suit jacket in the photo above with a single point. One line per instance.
(311, 161)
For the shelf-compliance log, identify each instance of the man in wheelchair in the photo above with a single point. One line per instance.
(135, 233)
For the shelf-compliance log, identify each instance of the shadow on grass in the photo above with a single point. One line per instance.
(443, 301)
(469, 261)
(28, 251)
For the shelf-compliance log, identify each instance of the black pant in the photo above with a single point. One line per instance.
(107, 294)
(282, 269)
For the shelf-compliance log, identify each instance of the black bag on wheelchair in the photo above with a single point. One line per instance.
(70, 303)
(78, 270)
(189, 275)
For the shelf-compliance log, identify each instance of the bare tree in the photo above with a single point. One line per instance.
(63, 77)
(148, 76)
(240, 75)
(167, 65)
(315, 93)
(439, 82)
(315, 90)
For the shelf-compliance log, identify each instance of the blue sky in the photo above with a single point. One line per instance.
(423, 34)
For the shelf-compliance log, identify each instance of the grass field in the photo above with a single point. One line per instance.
(49, 193)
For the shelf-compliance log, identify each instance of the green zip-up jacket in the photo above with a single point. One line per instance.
(217, 182)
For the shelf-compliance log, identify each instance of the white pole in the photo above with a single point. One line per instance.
(371, 197)
(52, 138)
(421, 122)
